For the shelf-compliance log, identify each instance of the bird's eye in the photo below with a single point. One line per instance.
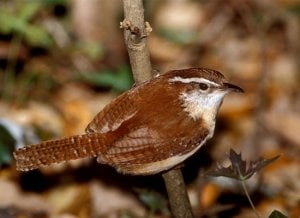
(203, 86)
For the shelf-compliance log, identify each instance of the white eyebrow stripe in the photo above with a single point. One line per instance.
(192, 80)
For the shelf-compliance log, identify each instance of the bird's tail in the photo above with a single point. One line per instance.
(54, 151)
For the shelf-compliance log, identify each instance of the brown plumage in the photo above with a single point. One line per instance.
(148, 129)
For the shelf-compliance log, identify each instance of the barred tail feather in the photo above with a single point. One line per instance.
(54, 151)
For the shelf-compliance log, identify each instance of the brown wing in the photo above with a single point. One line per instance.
(144, 152)
(113, 115)
(152, 140)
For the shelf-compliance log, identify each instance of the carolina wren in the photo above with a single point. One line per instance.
(148, 129)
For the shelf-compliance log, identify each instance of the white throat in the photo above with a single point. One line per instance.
(200, 105)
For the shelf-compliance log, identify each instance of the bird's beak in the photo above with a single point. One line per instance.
(232, 88)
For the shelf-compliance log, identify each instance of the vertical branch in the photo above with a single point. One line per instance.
(178, 198)
(135, 40)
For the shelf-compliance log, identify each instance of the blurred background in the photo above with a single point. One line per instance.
(62, 61)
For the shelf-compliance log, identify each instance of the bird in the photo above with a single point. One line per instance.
(146, 130)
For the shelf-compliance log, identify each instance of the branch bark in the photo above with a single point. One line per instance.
(135, 40)
(178, 198)
(134, 32)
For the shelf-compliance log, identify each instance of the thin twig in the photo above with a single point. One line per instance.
(242, 180)
(178, 198)
(135, 40)
(134, 30)
(249, 198)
